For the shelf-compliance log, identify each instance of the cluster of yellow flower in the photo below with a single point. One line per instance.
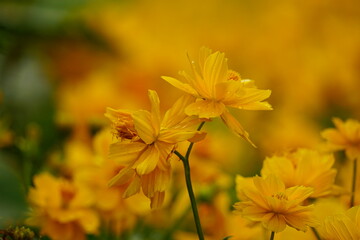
(100, 185)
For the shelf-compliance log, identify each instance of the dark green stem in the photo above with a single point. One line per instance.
(272, 236)
(316, 233)
(353, 188)
(190, 190)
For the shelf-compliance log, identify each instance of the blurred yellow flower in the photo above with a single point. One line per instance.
(215, 87)
(268, 201)
(342, 226)
(293, 169)
(62, 209)
(346, 136)
(146, 144)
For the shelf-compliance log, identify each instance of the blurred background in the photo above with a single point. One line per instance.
(63, 62)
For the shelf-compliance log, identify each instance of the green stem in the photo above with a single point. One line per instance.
(190, 190)
(316, 233)
(353, 188)
(272, 236)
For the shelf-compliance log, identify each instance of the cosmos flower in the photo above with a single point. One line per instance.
(293, 169)
(268, 201)
(146, 144)
(215, 88)
(346, 136)
(342, 226)
(62, 209)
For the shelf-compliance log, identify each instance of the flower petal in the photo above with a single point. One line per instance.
(155, 181)
(157, 200)
(205, 108)
(133, 188)
(147, 160)
(215, 71)
(155, 110)
(126, 152)
(180, 85)
(175, 136)
(235, 126)
(176, 114)
(276, 223)
(124, 176)
(144, 126)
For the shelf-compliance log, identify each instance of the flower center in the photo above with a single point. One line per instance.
(280, 196)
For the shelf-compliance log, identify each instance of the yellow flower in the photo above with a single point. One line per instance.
(346, 136)
(146, 144)
(62, 209)
(293, 169)
(342, 226)
(215, 87)
(267, 200)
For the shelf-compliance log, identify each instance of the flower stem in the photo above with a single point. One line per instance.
(353, 188)
(185, 161)
(272, 236)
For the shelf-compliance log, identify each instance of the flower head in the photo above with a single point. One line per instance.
(215, 87)
(293, 169)
(346, 136)
(146, 144)
(267, 200)
(62, 209)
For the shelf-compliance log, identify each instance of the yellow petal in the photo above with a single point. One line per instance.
(276, 223)
(270, 185)
(228, 92)
(235, 126)
(257, 106)
(165, 150)
(133, 188)
(215, 70)
(155, 181)
(147, 160)
(155, 110)
(176, 114)
(175, 136)
(249, 97)
(334, 137)
(298, 193)
(117, 115)
(124, 176)
(126, 152)
(204, 53)
(157, 200)
(89, 221)
(205, 108)
(144, 126)
(199, 136)
(180, 85)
